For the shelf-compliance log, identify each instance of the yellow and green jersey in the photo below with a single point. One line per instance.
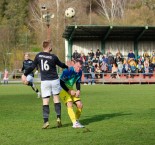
(70, 77)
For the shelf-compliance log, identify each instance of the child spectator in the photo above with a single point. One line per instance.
(126, 69)
(140, 67)
(6, 76)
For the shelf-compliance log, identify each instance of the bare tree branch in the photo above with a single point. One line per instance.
(111, 9)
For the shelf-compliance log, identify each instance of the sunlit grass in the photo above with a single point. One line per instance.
(112, 115)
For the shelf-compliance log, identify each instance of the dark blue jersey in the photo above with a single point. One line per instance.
(26, 65)
(47, 63)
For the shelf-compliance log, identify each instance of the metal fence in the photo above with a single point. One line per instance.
(97, 78)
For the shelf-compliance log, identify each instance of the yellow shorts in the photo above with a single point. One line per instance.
(65, 97)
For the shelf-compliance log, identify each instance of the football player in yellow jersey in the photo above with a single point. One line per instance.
(69, 96)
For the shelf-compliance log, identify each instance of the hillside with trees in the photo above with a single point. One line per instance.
(23, 27)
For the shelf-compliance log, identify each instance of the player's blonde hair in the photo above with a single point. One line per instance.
(26, 53)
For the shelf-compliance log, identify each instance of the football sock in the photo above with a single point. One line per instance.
(46, 112)
(78, 113)
(33, 87)
(71, 114)
(45, 120)
(30, 84)
(58, 109)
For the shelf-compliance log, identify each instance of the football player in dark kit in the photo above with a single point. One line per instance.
(50, 82)
(26, 64)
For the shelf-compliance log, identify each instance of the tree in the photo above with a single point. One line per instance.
(13, 16)
(111, 9)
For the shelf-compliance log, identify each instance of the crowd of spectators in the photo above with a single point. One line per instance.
(97, 64)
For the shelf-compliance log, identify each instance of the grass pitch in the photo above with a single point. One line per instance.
(112, 115)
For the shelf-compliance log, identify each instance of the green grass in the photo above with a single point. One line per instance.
(112, 114)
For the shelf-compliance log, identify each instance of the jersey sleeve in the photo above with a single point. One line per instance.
(59, 63)
(80, 76)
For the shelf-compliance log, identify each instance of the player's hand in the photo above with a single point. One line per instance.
(36, 72)
(72, 92)
(24, 79)
(77, 94)
(20, 70)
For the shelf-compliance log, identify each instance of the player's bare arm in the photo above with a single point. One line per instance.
(77, 94)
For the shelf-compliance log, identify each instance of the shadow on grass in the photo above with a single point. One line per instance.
(101, 117)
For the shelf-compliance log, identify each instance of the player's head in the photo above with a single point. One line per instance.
(78, 65)
(47, 46)
(26, 56)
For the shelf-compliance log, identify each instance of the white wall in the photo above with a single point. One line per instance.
(86, 46)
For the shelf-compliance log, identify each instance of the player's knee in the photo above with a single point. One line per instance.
(46, 100)
(56, 99)
(80, 105)
(69, 104)
(25, 83)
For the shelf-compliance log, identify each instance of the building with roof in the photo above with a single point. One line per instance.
(83, 38)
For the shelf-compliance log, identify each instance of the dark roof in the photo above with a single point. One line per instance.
(95, 32)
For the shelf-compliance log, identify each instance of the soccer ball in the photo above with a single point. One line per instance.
(70, 13)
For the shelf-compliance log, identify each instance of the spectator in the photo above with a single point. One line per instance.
(131, 55)
(140, 67)
(153, 61)
(146, 55)
(110, 60)
(114, 73)
(109, 53)
(140, 58)
(83, 57)
(105, 59)
(100, 59)
(98, 53)
(85, 70)
(76, 55)
(147, 71)
(146, 62)
(120, 67)
(133, 69)
(153, 53)
(92, 72)
(6, 76)
(119, 54)
(95, 60)
(91, 54)
(126, 69)
(98, 71)
(104, 67)
(118, 59)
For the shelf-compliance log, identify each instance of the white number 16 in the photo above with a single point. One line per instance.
(44, 65)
